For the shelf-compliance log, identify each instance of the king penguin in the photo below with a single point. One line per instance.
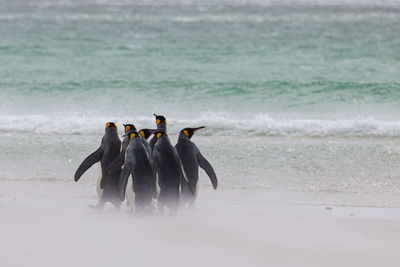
(161, 123)
(168, 171)
(118, 162)
(191, 160)
(129, 193)
(106, 153)
(137, 164)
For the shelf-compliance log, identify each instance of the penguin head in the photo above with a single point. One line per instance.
(133, 134)
(161, 121)
(188, 132)
(111, 125)
(145, 133)
(159, 133)
(129, 127)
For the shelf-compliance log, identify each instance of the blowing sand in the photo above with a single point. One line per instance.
(50, 224)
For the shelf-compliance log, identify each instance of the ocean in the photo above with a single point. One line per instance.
(300, 99)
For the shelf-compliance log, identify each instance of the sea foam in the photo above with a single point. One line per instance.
(260, 125)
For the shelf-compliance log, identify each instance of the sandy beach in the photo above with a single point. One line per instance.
(50, 224)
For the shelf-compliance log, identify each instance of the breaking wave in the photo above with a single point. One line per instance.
(261, 124)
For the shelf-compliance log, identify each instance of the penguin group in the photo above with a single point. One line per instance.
(163, 176)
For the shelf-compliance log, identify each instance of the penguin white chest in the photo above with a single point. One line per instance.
(130, 194)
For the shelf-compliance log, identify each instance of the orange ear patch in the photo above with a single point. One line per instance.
(185, 132)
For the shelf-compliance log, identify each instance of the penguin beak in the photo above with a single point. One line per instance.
(198, 128)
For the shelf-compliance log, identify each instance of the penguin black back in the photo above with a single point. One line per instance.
(138, 165)
(191, 159)
(168, 168)
(106, 153)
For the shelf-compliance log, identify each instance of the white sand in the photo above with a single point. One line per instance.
(49, 224)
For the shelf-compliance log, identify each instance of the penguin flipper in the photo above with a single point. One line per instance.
(88, 162)
(114, 167)
(206, 166)
(126, 172)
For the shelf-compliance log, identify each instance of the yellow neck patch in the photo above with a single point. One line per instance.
(131, 136)
(159, 135)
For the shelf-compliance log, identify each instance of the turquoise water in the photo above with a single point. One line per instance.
(259, 66)
(290, 92)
